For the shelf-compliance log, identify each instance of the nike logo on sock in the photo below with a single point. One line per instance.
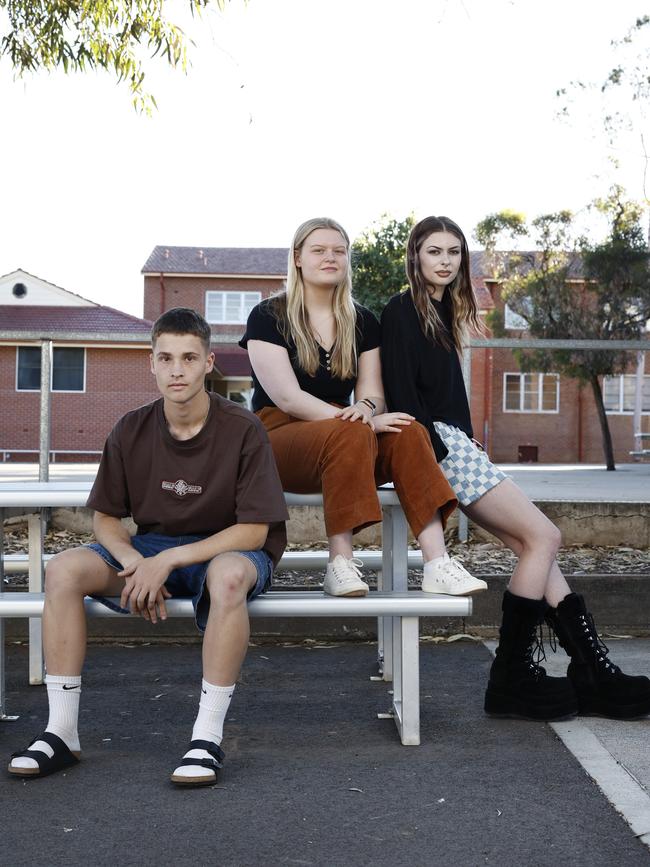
(76, 686)
(204, 691)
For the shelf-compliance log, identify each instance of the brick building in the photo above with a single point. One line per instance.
(100, 368)
(223, 284)
(545, 417)
(519, 417)
(100, 373)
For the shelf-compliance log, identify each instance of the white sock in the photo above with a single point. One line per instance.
(63, 694)
(213, 707)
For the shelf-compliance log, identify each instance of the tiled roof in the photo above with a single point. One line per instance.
(271, 261)
(481, 267)
(232, 361)
(58, 320)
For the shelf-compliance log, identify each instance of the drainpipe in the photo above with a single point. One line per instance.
(463, 525)
(487, 398)
(638, 401)
(162, 295)
(580, 449)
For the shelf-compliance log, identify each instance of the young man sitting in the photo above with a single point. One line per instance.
(197, 474)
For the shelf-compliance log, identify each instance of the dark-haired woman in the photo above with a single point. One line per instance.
(310, 348)
(423, 332)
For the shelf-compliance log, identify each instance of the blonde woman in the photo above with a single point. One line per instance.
(310, 348)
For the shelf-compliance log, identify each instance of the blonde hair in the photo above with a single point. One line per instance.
(293, 316)
(465, 314)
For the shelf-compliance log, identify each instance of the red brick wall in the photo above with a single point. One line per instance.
(117, 380)
(570, 436)
(182, 291)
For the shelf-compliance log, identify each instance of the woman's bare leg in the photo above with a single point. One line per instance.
(341, 543)
(507, 512)
(432, 539)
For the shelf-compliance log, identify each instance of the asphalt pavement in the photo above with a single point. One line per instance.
(312, 776)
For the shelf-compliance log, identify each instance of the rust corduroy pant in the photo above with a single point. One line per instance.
(347, 461)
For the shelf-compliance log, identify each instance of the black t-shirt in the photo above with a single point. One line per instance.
(263, 325)
(224, 475)
(422, 377)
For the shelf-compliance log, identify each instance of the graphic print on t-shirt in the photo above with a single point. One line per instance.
(181, 487)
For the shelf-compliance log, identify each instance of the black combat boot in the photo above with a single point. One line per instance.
(601, 686)
(518, 686)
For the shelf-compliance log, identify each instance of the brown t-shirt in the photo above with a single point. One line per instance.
(224, 475)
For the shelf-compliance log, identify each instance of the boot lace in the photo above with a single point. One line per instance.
(596, 644)
(535, 652)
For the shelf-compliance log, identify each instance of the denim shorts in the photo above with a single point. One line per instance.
(188, 582)
(468, 469)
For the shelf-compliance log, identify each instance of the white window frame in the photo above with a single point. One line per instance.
(513, 321)
(621, 394)
(247, 300)
(540, 393)
(246, 392)
(52, 389)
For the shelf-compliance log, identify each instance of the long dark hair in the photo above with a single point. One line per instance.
(465, 315)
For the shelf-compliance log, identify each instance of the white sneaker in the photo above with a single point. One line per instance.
(450, 577)
(343, 578)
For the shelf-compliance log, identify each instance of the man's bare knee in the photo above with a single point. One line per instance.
(73, 572)
(229, 581)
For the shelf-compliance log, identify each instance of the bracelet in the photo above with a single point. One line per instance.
(371, 406)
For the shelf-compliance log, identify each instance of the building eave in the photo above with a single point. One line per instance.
(87, 337)
(211, 275)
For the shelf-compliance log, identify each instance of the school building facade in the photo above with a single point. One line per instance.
(223, 284)
(100, 367)
(545, 417)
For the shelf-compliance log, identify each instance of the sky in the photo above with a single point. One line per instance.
(296, 108)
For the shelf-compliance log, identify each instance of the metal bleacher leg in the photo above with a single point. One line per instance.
(36, 585)
(394, 577)
(406, 679)
(4, 717)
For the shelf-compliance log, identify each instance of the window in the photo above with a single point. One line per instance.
(513, 321)
(28, 368)
(240, 396)
(225, 308)
(68, 369)
(619, 392)
(531, 392)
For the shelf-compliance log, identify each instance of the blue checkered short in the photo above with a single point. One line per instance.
(468, 469)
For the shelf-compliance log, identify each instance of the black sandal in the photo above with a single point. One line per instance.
(62, 757)
(214, 764)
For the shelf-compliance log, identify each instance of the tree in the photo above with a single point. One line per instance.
(378, 261)
(617, 104)
(611, 303)
(78, 35)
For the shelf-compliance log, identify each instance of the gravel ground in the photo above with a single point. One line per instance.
(480, 557)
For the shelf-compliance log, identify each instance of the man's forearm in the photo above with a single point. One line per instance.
(113, 535)
(238, 537)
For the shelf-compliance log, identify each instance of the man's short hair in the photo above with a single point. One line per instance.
(182, 320)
